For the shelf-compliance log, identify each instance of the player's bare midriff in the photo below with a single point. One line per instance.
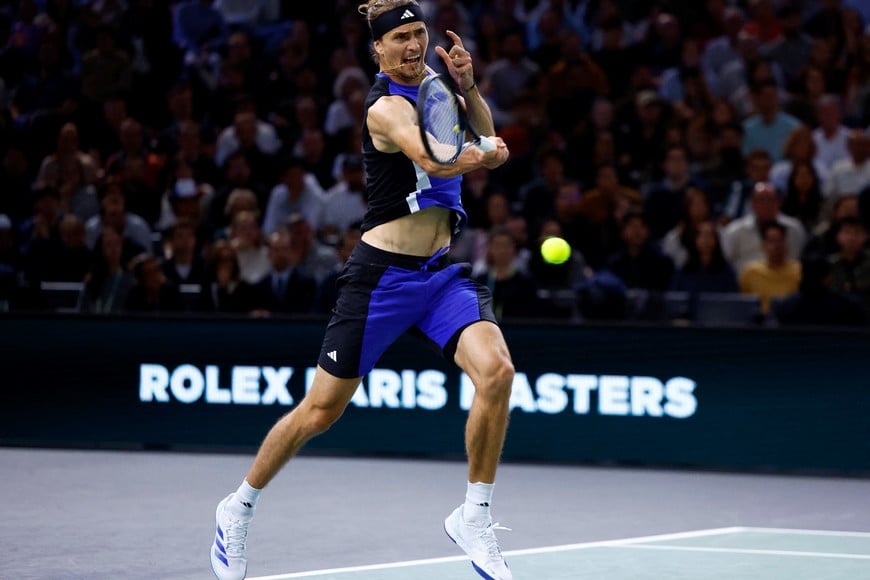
(419, 234)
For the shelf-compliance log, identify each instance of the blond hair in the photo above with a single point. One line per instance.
(374, 8)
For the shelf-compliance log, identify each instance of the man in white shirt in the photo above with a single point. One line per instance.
(741, 239)
(830, 136)
(345, 202)
(297, 192)
(851, 175)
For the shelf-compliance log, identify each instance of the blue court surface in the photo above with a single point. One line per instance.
(724, 553)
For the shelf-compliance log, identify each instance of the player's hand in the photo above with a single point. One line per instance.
(457, 61)
(497, 157)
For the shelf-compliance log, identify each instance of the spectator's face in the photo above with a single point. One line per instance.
(183, 242)
(246, 229)
(706, 238)
(847, 206)
(72, 232)
(676, 166)
(567, 200)
(635, 233)
(131, 136)
(698, 208)
(758, 169)
(767, 100)
(246, 129)
(68, 139)
(765, 204)
(553, 170)
(113, 210)
(602, 114)
(238, 170)
(152, 275)
(280, 252)
(502, 251)
(497, 209)
(111, 245)
(606, 179)
(774, 246)
(188, 138)
(181, 103)
(294, 177)
(851, 239)
(828, 115)
(803, 178)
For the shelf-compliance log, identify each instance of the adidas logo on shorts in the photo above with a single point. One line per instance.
(333, 355)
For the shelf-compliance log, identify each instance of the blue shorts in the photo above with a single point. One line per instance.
(382, 295)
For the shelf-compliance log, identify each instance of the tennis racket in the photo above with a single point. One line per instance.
(443, 122)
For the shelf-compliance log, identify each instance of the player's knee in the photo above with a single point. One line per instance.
(497, 382)
(320, 419)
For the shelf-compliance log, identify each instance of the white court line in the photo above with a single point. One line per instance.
(746, 551)
(800, 532)
(526, 552)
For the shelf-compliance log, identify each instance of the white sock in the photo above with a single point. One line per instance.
(476, 510)
(245, 500)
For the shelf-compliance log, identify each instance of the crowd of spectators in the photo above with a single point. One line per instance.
(203, 155)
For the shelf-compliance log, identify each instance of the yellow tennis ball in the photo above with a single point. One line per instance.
(555, 250)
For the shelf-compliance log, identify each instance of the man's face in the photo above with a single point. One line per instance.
(676, 166)
(502, 251)
(402, 51)
(635, 233)
(774, 245)
(758, 169)
(765, 203)
(280, 253)
(851, 238)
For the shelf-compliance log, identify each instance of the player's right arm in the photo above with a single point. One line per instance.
(392, 123)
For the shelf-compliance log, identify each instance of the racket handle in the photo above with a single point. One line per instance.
(486, 144)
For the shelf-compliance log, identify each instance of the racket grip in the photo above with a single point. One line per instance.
(486, 144)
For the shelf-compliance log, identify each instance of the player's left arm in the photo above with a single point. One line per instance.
(459, 64)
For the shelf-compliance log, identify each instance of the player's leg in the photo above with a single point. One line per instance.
(321, 407)
(482, 353)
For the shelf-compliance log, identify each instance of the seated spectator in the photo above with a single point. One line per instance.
(736, 204)
(287, 288)
(75, 258)
(799, 148)
(851, 175)
(514, 293)
(601, 210)
(297, 192)
(185, 265)
(240, 200)
(344, 202)
(257, 139)
(640, 264)
(317, 258)
(246, 238)
(741, 239)
(113, 213)
(663, 203)
(327, 291)
(696, 210)
(803, 196)
(824, 238)
(198, 28)
(345, 111)
(152, 292)
(225, 290)
(77, 196)
(106, 69)
(706, 269)
(769, 128)
(67, 146)
(108, 283)
(850, 266)
(237, 174)
(39, 235)
(816, 303)
(831, 137)
(776, 274)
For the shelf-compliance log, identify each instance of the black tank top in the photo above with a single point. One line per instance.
(395, 185)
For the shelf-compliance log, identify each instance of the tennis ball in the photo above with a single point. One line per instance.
(555, 250)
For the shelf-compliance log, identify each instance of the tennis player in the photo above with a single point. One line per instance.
(399, 279)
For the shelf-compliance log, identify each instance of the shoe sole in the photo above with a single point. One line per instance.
(473, 564)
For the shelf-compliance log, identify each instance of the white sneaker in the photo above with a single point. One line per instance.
(480, 544)
(228, 560)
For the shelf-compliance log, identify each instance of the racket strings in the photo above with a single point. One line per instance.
(441, 122)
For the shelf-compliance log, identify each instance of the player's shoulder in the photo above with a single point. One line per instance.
(389, 109)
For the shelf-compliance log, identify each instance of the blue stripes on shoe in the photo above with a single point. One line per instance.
(222, 558)
(220, 532)
(481, 572)
(219, 545)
